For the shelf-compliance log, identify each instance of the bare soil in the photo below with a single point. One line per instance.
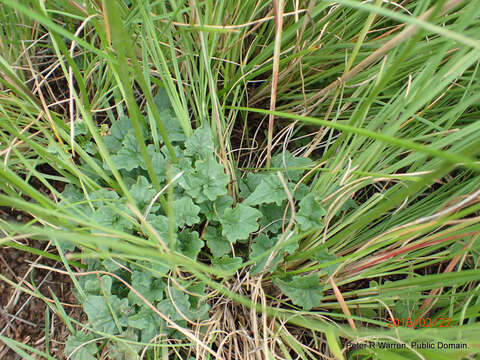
(22, 316)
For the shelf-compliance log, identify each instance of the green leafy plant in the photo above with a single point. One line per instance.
(205, 223)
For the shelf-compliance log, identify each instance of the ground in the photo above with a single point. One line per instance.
(22, 317)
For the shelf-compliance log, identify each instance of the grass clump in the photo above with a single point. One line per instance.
(246, 180)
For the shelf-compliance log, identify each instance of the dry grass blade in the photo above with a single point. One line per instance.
(343, 305)
(278, 6)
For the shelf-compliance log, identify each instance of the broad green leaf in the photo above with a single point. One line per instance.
(261, 244)
(184, 306)
(147, 321)
(83, 137)
(272, 217)
(168, 117)
(142, 319)
(295, 166)
(197, 292)
(72, 194)
(238, 223)
(66, 244)
(192, 183)
(56, 149)
(227, 264)
(248, 184)
(92, 150)
(310, 214)
(159, 165)
(179, 153)
(105, 216)
(99, 314)
(322, 255)
(213, 209)
(80, 347)
(92, 286)
(189, 243)
(268, 191)
(114, 266)
(156, 268)
(130, 177)
(304, 291)
(120, 350)
(186, 212)
(80, 127)
(160, 224)
(187, 181)
(213, 178)
(109, 216)
(143, 193)
(301, 191)
(92, 173)
(167, 308)
(129, 156)
(103, 195)
(200, 144)
(217, 244)
(150, 288)
(118, 131)
(291, 247)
